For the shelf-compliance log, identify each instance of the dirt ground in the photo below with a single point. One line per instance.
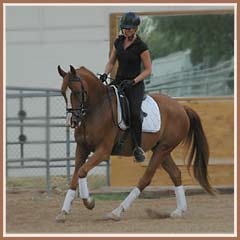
(34, 212)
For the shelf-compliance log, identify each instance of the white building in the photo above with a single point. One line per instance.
(38, 38)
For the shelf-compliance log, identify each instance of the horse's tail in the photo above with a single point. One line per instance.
(199, 150)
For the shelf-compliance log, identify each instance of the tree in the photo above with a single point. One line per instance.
(210, 37)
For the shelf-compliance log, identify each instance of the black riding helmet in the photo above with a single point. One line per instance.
(129, 20)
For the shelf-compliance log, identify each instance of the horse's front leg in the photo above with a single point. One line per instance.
(99, 155)
(81, 156)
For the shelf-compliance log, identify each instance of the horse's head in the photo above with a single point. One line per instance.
(74, 90)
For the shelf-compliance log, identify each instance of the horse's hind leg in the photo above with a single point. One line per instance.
(143, 183)
(175, 174)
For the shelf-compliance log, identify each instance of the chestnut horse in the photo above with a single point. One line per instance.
(93, 109)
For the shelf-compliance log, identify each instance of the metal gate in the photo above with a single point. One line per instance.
(40, 149)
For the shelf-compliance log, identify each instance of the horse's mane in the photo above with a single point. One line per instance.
(85, 71)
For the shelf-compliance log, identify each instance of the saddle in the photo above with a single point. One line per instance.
(125, 109)
(150, 116)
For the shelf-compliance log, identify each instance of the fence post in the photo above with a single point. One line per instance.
(21, 127)
(48, 180)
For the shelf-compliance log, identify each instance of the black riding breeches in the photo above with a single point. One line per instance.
(135, 96)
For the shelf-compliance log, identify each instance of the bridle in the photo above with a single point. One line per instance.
(78, 113)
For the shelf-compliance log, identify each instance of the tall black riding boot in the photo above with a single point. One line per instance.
(139, 154)
(137, 151)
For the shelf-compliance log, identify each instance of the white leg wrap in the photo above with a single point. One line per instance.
(83, 188)
(181, 199)
(133, 195)
(116, 213)
(68, 200)
(181, 202)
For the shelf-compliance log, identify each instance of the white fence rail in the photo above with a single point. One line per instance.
(213, 81)
(38, 144)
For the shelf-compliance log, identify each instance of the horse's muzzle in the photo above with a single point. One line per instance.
(73, 119)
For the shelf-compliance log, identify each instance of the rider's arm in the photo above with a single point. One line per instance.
(111, 61)
(146, 59)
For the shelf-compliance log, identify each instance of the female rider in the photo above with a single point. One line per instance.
(131, 52)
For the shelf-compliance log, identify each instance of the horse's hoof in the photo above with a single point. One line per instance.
(61, 218)
(115, 214)
(177, 213)
(89, 203)
(112, 216)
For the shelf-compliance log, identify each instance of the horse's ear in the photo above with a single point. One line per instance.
(61, 72)
(72, 70)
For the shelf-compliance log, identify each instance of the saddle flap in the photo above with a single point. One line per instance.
(150, 113)
(125, 108)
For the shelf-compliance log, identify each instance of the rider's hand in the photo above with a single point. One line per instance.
(103, 77)
(113, 82)
(127, 84)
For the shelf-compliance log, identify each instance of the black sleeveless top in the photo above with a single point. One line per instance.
(129, 59)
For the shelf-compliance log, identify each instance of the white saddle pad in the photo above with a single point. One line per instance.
(151, 123)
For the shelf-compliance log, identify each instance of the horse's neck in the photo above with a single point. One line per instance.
(100, 114)
(96, 93)
(95, 88)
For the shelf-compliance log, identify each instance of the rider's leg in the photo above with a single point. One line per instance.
(135, 96)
